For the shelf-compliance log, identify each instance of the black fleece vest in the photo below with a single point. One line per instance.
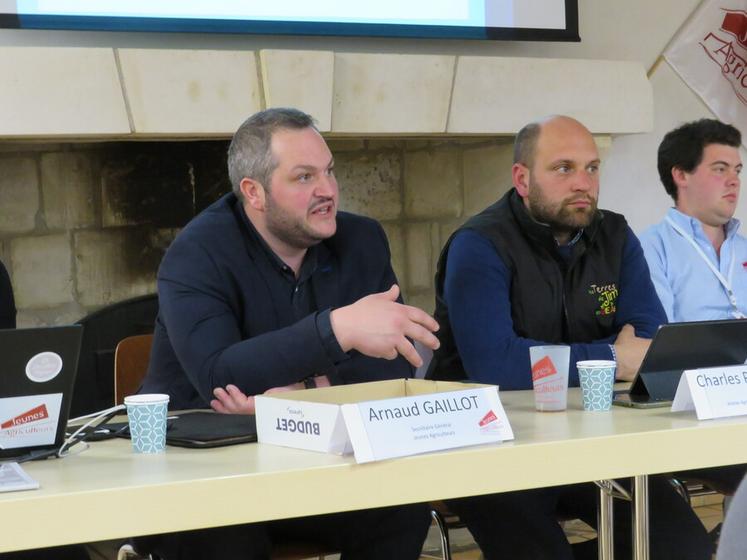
(551, 300)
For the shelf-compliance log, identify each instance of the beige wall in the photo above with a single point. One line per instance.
(419, 189)
(635, 30)
(631, 181)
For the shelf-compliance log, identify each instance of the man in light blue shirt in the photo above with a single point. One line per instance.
(697, 258)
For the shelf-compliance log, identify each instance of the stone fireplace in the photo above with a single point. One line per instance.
(99, 170)
(85, 225)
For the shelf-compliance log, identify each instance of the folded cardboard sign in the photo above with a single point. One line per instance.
(384, 419)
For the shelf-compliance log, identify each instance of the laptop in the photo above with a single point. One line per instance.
(680, 346)
(37, 372)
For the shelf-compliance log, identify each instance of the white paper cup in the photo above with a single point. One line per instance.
(147, 419)
(597, 378)
(550, 376)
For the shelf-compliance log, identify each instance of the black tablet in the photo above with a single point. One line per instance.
(680, 346)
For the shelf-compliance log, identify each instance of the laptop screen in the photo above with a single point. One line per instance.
(37, 372)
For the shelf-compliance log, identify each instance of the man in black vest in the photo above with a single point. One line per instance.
(543, 266)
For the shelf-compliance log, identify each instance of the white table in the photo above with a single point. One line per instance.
(108, 492)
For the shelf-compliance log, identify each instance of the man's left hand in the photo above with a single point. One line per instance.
(232, 400)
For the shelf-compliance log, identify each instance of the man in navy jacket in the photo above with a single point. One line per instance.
(271, 288)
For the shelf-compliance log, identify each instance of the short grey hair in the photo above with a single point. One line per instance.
(250, 152)
(525, 144)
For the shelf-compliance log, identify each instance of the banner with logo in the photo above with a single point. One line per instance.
(710, 55)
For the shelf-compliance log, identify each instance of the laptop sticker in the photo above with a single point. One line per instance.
(29, 421)
(44, 366)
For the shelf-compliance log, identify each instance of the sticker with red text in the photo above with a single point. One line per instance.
(543, 368)
(29, 421)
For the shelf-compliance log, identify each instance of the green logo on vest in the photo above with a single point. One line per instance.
(606, 297)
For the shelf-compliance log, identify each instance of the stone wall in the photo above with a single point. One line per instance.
(85, 225)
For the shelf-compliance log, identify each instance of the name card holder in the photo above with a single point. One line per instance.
(404, 426)
(717, 392)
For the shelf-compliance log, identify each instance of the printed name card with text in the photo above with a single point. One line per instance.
(417, 424)
(713, 392)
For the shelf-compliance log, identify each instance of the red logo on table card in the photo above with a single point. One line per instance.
(543, 368)
(34, 415)
(488, 418)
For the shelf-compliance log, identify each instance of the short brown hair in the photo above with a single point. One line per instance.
(250, 152)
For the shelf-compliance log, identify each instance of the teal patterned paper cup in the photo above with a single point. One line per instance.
(147, 418)
(597, 378)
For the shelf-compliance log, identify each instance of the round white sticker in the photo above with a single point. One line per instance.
(44, 367)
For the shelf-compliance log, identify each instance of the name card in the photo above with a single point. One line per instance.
(418, 424)
(302, 424)
(713, 392)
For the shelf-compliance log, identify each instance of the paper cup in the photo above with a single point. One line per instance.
(597, 378)
(550, 376)
(147, 418)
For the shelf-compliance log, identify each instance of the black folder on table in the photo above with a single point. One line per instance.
(195, 428)
(205, 428)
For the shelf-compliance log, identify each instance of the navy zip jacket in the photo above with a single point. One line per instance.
(227, 316)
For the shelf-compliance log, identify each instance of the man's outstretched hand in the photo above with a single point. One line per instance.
(379, 326)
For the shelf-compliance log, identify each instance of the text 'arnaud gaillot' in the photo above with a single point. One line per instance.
(435, 406)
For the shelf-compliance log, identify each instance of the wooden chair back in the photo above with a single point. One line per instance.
(130, 365)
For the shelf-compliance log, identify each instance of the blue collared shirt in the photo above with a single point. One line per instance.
(687, 287)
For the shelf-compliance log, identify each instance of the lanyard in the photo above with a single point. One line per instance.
(726, 283)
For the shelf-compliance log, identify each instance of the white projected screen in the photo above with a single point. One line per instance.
(429, 18)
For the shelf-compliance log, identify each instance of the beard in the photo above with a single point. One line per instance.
(289, 229)
(560, 216)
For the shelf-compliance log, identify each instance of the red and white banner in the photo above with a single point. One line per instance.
(710, 55)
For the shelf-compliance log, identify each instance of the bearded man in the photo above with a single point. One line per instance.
(544, 266)
(271, 288)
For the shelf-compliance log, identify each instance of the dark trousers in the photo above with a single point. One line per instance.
(395, 533)
(724, 480)
(524, 525)
(71, 552)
